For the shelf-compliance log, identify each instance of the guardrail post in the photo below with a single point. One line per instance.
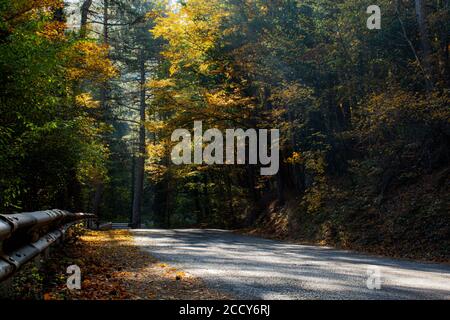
(46, 253)
(6, 288)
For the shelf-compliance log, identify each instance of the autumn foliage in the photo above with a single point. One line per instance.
(50, 147)
(361, 124)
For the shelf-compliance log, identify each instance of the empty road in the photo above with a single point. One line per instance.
(255, 268)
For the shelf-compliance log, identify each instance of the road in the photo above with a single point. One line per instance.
(255, 268)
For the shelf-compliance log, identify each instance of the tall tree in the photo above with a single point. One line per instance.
(140, 161)
(424, 40)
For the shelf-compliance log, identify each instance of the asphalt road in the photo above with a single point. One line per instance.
(255, 268)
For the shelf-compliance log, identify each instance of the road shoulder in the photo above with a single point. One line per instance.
(113, 268)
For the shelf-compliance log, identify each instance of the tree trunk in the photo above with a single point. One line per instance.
(99, 187)
(294, 167)
(97, 200)
(198, 207)
(168, 213)
(445, 46)
(140, 161)
(424, 41)
(104, 87)
(206, 197)
(280, 187)
(229, 192)
(84, 17)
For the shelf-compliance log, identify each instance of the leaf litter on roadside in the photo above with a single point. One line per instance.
(113, 268)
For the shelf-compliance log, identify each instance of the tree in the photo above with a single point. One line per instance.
(49, 134)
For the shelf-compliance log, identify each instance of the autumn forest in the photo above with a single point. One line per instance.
(91, 92)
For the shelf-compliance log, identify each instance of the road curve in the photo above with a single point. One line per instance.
(255, 268)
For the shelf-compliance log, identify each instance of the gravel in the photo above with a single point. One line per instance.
(255, 268)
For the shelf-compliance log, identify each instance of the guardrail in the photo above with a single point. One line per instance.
(24, 236)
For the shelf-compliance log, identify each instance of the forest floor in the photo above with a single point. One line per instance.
(112, 267)
(412, 222)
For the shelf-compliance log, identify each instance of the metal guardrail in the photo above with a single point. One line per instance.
(24, 236)
(120, 226)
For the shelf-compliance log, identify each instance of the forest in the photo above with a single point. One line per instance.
(92, 90)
